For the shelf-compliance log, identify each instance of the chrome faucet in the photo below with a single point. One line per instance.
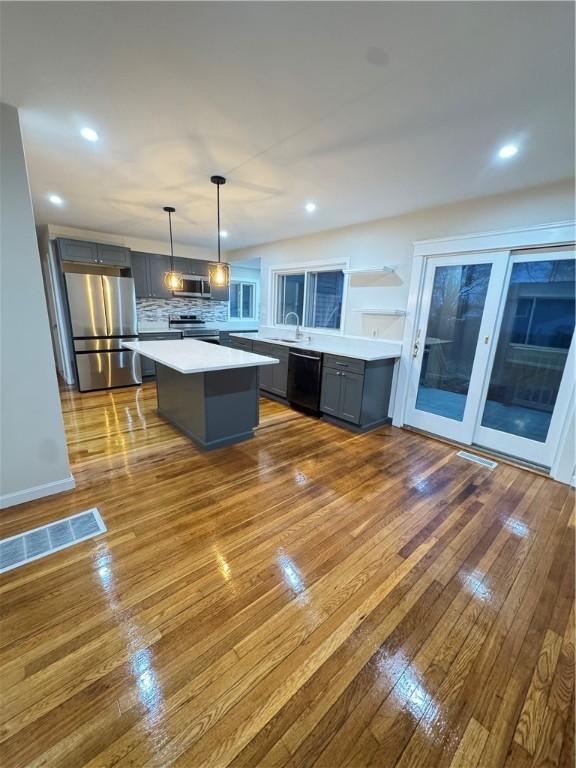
(298, 333)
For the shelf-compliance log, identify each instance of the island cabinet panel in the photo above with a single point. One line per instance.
(273, 378)
(215, 408)
(355, 391)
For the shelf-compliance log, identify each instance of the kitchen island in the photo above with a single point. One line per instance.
(209, 392)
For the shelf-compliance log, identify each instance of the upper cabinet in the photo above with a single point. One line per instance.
(148, 270)
(96, 253)
(140, 275)
(220, 294)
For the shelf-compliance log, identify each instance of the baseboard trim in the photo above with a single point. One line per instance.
(37, 492)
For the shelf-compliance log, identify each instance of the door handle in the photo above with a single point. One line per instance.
(416, 349)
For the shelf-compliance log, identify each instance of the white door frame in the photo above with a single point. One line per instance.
(542, 235)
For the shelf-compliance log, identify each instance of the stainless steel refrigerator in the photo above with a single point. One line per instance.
(103, 315)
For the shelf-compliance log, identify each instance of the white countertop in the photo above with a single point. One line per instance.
(191, 356)
(348, 346)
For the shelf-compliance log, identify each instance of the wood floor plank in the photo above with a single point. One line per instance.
(312, 597)
(471, 746)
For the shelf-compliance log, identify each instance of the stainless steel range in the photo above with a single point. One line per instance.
(193, 327)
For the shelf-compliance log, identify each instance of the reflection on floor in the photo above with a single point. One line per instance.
(514, 419)
(311, 597)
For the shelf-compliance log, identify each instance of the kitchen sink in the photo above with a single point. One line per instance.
(280, 338)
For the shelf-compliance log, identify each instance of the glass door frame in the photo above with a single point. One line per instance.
(515, 446)
(460, 431)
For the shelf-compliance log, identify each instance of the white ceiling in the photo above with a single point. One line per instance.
(369, 109)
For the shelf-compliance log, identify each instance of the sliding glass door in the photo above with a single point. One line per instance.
(450, 355)
(532, 367)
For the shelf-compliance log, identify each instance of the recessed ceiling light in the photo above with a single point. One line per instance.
(223, 233)
(55, 199)
(310, 207)
(507, 151)
(89, 134)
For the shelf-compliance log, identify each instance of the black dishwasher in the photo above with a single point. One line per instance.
(304, 379)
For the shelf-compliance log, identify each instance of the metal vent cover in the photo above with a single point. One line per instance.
(477, 459)
(39, 542)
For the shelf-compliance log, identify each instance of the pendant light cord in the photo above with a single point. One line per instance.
(171, 243)
(218, 216)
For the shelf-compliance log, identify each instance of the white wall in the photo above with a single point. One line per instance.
(389, 241)
(33, 454)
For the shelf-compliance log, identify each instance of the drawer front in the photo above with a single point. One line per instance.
(160, 336)
(243, 344)
(270, 350)
(342, 363)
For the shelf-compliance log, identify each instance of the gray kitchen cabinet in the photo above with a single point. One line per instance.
(356, 391)
(96, 253)
(331, 391)
(238, 343)
(219, 294)
(148, 366)
(273, 378)
(139, 268)
(351, 393)
(158, 265)
(77, 250)
(114, 255)
(148, 270)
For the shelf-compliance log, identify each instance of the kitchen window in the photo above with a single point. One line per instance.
(242, 301)
(315, 296)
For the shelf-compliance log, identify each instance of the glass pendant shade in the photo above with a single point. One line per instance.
(173, 281)
(219, 275)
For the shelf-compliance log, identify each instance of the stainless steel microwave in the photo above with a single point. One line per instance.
(194, 285)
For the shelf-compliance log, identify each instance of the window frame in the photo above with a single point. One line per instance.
(254, 314)
(306, 269)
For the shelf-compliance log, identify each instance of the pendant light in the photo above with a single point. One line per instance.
(172, 280)
(218, 272)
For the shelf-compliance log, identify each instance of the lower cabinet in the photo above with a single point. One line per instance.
(273, 378)
(147, 366)
(359, 398)
(238, 343)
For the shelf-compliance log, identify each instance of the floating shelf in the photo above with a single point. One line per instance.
(384, 270)
(397, 312)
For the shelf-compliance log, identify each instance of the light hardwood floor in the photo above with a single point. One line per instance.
(308, 598)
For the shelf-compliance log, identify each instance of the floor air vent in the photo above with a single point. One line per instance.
(478, 459)
(39, 542)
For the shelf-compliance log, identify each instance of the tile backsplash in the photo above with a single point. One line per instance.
(152, 310)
